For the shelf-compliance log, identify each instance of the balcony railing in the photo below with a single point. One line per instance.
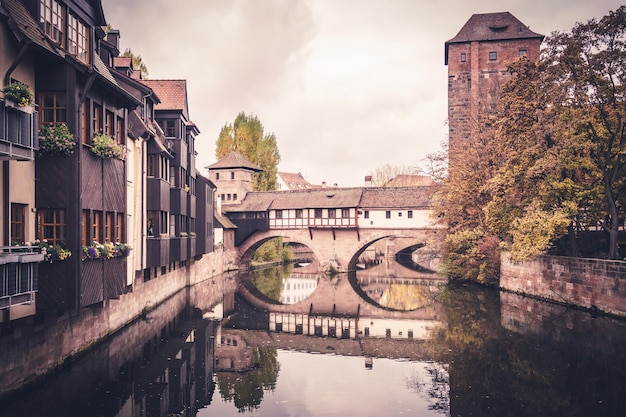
(18, 275)
(18, 131)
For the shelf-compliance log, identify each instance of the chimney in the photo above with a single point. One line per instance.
(368, 180)
(323, 184)
(113, 37)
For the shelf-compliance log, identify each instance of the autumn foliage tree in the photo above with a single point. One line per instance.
(246, 136)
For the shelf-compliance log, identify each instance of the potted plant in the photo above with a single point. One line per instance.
(19, 93)
(55, 139)
(106, 147)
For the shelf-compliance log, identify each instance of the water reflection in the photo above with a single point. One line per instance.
(463, 351)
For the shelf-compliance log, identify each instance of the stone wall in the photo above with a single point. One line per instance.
(588, 283)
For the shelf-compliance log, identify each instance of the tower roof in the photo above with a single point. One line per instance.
(492, 27)
(234, 160)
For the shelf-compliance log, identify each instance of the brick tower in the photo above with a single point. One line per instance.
(477, 59)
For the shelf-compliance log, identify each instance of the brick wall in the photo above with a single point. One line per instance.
(583, 282)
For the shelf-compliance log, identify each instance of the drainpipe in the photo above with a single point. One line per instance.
(18, 60)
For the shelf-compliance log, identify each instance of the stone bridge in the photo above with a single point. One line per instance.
(340, 249)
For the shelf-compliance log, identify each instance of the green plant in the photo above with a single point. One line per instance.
(55, 139)
(19, 93)
(106, 147)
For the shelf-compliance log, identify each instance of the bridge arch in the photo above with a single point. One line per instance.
(341, 248)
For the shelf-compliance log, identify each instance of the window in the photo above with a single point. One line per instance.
(84, 122)
(388, 214)
(409, 214)
(108, 124)
(235, 196)
(228, 196)
(153, 165)
(298, 213)
(51, 19)
(331, 214)
(223, 197)
(52, 107)
(463, 57)
(493, 56)
(18, 223)
(399, 214)
(96, 119)
(366, 214)
(170, 128)
(96, 226)
(78, 39)
(345, 213)
(232, 175)
(120, 131)
(521, 52)
(217, 176)
(51, 225)
(108, 227)
(318, 213)
(119, 228)
(279, 214)
(84, 228)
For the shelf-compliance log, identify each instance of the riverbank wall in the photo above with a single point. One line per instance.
(33, 350)
(594, 284)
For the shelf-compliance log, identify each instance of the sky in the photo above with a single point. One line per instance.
(346, 86)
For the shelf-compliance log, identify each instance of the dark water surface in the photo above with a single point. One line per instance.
(381, 342)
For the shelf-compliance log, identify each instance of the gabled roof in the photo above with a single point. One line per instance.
(396, 197)
(492, 27)
(223, 221)
(173, 94)
(295, 181)
(234, 160)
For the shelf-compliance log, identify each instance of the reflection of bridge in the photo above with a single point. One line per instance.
(339, 308)
(337, 224)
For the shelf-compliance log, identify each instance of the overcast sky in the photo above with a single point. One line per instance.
(345, 85)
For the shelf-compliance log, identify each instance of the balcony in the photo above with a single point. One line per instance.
(19, 266)
(18, 131)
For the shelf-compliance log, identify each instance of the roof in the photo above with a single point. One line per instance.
(492, 27)
(407, 180)
(396, 197)
(298, 199)
(295, 181)
(27, 27)
(234, 160)
(173, 94)
(223, 220)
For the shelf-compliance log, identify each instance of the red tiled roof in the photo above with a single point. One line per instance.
(173, 94)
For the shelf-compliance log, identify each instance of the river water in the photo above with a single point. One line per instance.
(385, 341)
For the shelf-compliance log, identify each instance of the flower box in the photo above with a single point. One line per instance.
(31, 257)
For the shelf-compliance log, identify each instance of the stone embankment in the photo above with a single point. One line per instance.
(594, 284)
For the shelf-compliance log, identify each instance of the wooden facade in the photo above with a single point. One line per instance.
(83, 199)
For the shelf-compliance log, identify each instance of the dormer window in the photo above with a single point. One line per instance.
(78, 39)
(51, 18)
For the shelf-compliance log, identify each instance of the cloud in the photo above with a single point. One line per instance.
(346, 85)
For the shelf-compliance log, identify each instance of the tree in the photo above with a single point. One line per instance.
(247, 137)
(137, 63)
(588, 69)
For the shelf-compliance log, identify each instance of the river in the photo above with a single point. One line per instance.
(385, 341)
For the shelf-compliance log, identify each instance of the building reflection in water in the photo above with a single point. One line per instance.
(465, 351)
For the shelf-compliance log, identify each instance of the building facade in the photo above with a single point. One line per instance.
(477, 59)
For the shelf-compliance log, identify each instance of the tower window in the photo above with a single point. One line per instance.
(463, 57)
(521, 52)
(493, 56)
